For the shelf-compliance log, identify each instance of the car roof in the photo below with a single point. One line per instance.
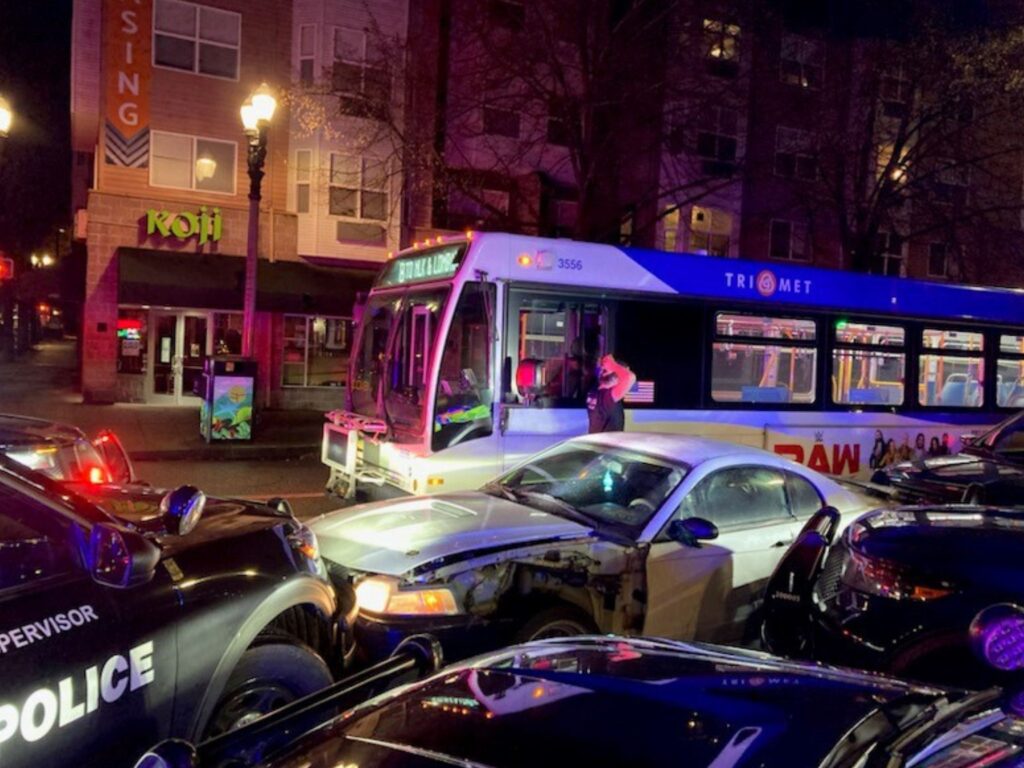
(25, 430)
(688, 449)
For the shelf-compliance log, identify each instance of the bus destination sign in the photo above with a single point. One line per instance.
(435, 264)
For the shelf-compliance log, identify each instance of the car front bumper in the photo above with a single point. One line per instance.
(460, 636)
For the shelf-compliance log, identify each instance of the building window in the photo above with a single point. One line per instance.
(507, 14)
(307, 54)
(501, 122)
(315, 351)
(670, 229)
(195, 38)
(795, 155)
(953, 373)
(802, 62)
(358, 190)
(888, 258)
(716, 140)
(787, 240)
(565, 214)
(759, 359)
(868, 364)
(721, 47)
(895, 89)
(190, 162)
(710, 230)
(362, 83)
(303, 179)
(938, 260)
(558, 127)
(951, 184)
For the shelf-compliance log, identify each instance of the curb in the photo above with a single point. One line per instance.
(229, 453)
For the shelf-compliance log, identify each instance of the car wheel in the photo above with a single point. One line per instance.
(266, 678)
(559, 621)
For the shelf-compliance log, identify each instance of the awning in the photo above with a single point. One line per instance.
(176, 279)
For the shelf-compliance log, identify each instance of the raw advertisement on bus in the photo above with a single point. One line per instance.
(474, 352)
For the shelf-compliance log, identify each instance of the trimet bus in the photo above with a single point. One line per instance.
(476, 351)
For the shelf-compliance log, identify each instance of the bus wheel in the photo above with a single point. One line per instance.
(557, 621)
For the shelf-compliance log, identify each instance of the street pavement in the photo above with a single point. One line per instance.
(283, 459)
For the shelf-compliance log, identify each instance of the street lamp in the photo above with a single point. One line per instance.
(257, 112)
(6, 115)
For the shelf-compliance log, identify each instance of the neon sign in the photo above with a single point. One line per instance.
(205, 225)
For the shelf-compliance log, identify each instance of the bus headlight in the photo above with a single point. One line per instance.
(378, 595)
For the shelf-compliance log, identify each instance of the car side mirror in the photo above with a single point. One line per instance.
(181, 509)
(968, 438)
(692, 531)
(115, 457)
(282, 505)
(121, 558)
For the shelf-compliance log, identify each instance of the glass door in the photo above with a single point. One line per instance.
(180, 345)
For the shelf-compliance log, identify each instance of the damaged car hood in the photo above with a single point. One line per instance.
(394, 537)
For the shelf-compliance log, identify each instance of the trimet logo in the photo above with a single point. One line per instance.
(766, 283)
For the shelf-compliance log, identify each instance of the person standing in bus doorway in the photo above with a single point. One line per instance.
(626, 377)
(605, 409)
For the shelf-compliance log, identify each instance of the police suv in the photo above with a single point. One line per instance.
(137, 615)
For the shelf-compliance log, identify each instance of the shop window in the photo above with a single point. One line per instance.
(759, 359)
(716, 140)
(721, 47)
(802, 62)
(307, 54)
(131, 340)
(359, 77)
(1010, 372)
(315, 351)
(303, 179)
(190, 162)
(868, 364)
(227, 333)
(195, 38)
(787, 240)
(953, 375)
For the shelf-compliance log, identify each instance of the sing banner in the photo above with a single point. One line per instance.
(128, 67)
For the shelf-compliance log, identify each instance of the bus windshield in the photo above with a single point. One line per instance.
(393, 357)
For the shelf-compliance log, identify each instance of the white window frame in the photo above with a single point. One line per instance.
(360, 189)
(795, 229)
(307, 182)
(192, 164)
(199, 41)
(301, 57)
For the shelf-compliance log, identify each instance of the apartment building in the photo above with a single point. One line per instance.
(161, 206)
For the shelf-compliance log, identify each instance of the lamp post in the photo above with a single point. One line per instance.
(257, 112)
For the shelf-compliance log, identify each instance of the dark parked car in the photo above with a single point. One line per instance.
(153, 616)
(989, 470)
(607, 701)
(899, 590)
(63, 452)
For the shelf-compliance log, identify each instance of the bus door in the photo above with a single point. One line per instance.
(552, 349)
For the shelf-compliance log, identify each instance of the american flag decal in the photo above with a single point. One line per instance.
(641, 392)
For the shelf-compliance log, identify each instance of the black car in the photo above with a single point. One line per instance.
(63, 452)
(152, 616)
(899, 590)
(607, 701)
(988, 470)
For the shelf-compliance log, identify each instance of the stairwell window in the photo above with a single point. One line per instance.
(358, 194)
(359, 77)
(195, 38)
(180, 161)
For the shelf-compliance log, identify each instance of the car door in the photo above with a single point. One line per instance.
(712, 591)
(80, 687)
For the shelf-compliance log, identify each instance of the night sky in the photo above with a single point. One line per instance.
(35, 55)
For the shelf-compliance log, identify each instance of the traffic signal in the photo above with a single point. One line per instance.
(6, 268)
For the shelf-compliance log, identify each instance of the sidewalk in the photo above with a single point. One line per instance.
(41, 384)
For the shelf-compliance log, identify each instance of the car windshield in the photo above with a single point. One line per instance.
(76, 462)
(604, 485)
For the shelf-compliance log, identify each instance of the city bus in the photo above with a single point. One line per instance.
(476, 351)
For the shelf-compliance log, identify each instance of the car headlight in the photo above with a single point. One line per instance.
(377, 595)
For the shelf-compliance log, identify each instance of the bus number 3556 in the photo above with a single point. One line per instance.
(572, 264)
